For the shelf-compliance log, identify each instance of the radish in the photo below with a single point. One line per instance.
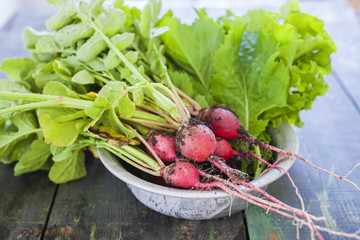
(224, 122)
(163, 143)
(226, 125)
(196, 141)
(183, 174)
(186, 175)
(224, 149)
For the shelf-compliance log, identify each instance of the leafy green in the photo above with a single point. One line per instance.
(94, 73)
(71, 167)
(193, 47)
(13, 67)
(70, 34)
(149, 18)
(252, 76)
(34, 159)
(46, 44)
(60, 134)
(83, 77)
(31, 36)
(266, 66)
(60, 19)
(126, 106)
(59, 89)
(91, 48)
(110, 22)
(23, 125)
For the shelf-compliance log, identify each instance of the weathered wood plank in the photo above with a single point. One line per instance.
(101, 207)
(24, 203)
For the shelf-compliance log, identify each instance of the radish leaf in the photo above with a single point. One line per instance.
(193, 47)
(70, 168)
(34, 159)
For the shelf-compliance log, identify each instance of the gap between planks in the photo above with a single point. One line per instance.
(43, 231)
(346, 90)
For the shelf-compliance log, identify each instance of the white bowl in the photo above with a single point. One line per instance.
(194, 204)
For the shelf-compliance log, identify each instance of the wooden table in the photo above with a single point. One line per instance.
(100, 206)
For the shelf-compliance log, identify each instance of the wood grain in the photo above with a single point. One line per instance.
(25, 200)
(100, 206)
(24, 203)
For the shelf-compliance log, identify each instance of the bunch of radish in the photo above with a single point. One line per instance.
(204, 138)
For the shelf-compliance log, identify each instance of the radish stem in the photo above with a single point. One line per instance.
(193, 103)
(148, 147)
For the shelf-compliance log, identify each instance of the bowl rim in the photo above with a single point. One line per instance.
(112, 163)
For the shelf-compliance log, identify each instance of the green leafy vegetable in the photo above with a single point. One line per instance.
(72, 167)
(102, 74)
(11, 137)
(83, 77)
(35, 159)
(268, 68)
(193, 47)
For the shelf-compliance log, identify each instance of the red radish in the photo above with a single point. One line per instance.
(224, 122)
(163, 144)
(224, 149)
(226, 125)
(185, 175)
(195, 141)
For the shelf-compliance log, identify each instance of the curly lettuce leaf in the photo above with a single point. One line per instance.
(311, 61)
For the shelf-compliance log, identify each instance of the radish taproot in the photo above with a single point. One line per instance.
(183, 174)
